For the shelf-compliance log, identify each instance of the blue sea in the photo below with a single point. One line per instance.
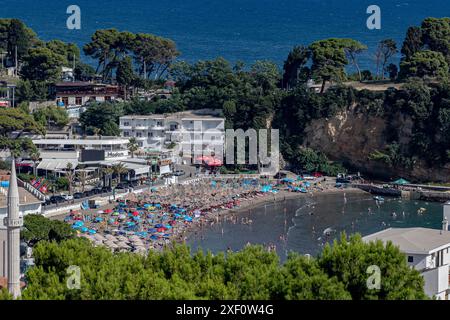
(246, 30)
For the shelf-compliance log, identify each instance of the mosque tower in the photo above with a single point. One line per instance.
(13, 222)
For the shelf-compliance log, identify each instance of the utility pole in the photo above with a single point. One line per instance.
(14, 96)
(73, 70)
(145, 70)
(15, 59)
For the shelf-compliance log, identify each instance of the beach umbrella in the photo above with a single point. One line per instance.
(100, 211)
(123, 245)
(159, 226)
(122, 217)
(108, 211)
(115, 213)
(135, 213)
(92, 231)
(110, 237)
(84, 229)
(98, 219)
(111, 244)
(401, 181)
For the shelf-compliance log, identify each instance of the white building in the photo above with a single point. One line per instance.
(63, 148)
(200, 129)
(426, 250)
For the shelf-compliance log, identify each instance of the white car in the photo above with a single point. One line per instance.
(67, 196)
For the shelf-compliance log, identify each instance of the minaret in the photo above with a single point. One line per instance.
(13, 222)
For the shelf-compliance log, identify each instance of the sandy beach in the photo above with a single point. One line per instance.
(167, 215)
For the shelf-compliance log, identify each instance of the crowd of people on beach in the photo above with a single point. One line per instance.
(156, 218)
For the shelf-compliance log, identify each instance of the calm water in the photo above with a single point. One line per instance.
(245, 30)
(302, 221)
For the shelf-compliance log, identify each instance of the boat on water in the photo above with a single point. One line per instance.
(378, 198)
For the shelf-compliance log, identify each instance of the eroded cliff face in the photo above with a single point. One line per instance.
(351, 136)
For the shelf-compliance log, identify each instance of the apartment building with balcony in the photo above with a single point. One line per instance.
(191, 130)
(426, 250)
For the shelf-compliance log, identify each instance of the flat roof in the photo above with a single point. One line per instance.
(81, 141)
(413, 240)
(24, 198)
(203, 114)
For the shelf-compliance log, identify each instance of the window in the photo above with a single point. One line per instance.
(107, 98)
(138, 134)
(65, 100)
(78, 101)
(410, 259)
(126, 134)
(126, 123)
(159, 124)
(150, 134)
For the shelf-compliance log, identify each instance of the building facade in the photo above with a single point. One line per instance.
(202, 130)
(426, 250)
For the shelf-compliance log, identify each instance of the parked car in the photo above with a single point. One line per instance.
(67, 197)
(122, 186)
(57, 199)
(88, 193)
(106, 189)
(179, 173)
(97, 190)
(78, 195)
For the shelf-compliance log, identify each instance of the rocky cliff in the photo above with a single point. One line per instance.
(351, 136)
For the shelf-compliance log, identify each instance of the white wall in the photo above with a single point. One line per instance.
(436, 281)
(24, 210)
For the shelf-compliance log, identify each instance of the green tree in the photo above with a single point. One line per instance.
(119, 169)
(133, 146)
(104, 116)
(42, 64)
(425, 64)
(328, 60)
(349, 259)
(352, 49)
(295, 69)
(412, 43)
(35, 156)
(38, 228)
(436, 35)
(385, 51)
(125, 75)
(20, 37)
(52, 116)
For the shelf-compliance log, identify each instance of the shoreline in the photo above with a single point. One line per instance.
(180, 231)
(281, 196)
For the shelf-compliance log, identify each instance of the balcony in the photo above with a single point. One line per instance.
(140, 127)
(159, 128)
(122, 127)
(157, 138)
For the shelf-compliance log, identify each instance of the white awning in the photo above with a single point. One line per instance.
(164, 169)
(57, 164)
(137, 168)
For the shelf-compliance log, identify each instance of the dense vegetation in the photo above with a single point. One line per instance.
(340, 272)
(260, 95)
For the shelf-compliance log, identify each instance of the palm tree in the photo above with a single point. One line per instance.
(133, 146)
(35, 156)
(106, 172)
(96, 131)
(69, 176)
(82, 177)
(119, 169)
